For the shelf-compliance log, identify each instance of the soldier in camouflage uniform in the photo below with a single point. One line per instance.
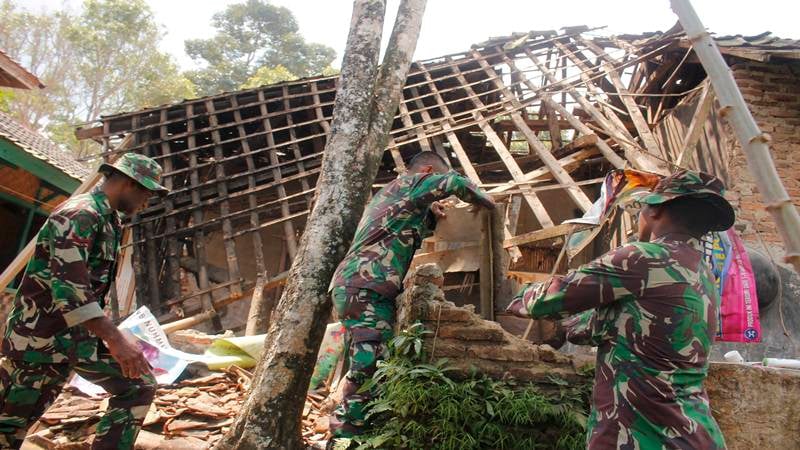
(370, 276)
(57, 323)
(649, 307)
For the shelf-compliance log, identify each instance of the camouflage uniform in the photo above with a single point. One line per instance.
(370, 276)
(649, 307)
(64, 285)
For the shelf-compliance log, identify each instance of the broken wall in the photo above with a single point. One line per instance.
(756, 407)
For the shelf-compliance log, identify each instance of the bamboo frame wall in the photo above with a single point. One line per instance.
(518, 115)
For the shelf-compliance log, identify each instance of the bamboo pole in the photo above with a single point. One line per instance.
(753, 141)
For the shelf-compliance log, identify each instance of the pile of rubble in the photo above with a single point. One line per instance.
(191, 414)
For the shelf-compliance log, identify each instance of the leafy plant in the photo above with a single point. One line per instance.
(418, 405)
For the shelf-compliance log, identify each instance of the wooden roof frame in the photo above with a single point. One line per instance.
(239, 162)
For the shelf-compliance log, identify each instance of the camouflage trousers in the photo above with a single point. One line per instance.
(27, 390)
(369, 320)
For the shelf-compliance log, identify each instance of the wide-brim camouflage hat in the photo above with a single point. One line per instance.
(140, 168)
(699, 185)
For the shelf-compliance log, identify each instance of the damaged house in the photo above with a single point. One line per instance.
(537, 119)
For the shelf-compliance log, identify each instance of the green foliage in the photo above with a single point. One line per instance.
(268, 75)
(103, 59)
(252, 36)
(419, 406)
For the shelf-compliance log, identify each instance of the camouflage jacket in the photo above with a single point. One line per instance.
(650, 310)
(65, 283)
(392, 228)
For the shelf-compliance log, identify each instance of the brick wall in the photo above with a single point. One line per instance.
(469, 342)
(772, 90)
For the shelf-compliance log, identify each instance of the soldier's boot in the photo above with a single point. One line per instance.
(366, 348)
(26, 391)
(130, 400)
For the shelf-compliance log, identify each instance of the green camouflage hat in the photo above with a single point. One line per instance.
(700, 185)
(144, 170)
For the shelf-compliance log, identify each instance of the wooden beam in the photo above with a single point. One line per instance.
(579, 126)
(631, 106)
(288, 227)
(224, 206)
(516, 173)
(486, 270)
(547, 233)
(632, 152)
(544, 154)
(695, 129)
(15, 76)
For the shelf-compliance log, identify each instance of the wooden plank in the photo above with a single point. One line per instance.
(486, 270)
(541, 235)
(173, 252)
(301, 167)
(696, 127)
(631, 106)
(252, 201)
(323, 121)
(577, 195)
(579, 126)
(405, 117)
(610, 120)
(552, 164)
(452, 138)
(224, 206)
(153, 262)
(632, 152)
(288, 227)
(197, 218)
(511, 164)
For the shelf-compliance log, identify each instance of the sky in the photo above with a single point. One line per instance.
(451, 26)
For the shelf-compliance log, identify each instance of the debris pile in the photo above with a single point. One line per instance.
(191, 414)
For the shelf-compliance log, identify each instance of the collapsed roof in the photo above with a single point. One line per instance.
(538, 116)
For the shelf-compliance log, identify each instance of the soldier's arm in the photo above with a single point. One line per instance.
(580, 328)
(618, 275)
(72, 235)
(439, 186)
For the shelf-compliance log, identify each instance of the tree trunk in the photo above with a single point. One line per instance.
(754, 143)
(366, 102)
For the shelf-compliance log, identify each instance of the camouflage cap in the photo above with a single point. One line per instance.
(700, 185)
(144, 170)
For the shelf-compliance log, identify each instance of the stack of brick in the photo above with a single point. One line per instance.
(471, 343)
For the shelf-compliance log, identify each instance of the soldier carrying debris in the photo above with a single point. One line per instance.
(57, 323)
(370, 276)
(650, 308)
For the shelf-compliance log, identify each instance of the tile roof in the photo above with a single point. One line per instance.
(41, 147)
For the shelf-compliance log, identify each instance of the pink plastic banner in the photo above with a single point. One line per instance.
(738, 312)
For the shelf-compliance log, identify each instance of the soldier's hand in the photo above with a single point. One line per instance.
(518, 308)
(437, 208)
(129, 357)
